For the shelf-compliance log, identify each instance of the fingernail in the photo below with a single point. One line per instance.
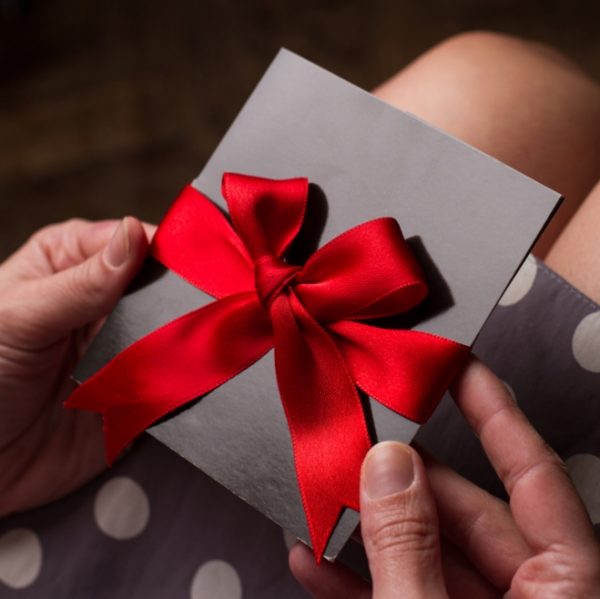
(388, 469)
(117, 250)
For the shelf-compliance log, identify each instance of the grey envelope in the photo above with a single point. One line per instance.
(470, 219)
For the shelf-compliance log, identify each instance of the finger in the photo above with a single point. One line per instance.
(475, 524)
(326, 580)
(57, 247)
(461, 574)
(63, 245)
(51, 307)
(544, 503)
(87, 240)
(462, 579)
(480, 524)
(70, 243)
(399, 524)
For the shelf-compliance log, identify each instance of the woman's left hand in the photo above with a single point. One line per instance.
(54, 291)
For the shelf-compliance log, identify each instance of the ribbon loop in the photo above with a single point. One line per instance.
(221, 265)
(367, 272)
(266, 213)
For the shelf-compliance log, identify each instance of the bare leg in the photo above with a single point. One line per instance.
(521, 102)
(576, 253)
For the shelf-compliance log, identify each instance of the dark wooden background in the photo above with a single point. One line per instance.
(108, 108)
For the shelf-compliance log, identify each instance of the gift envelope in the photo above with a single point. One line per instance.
(468, 220)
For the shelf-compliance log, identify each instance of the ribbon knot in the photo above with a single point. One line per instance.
(319, 321)
(272, 276)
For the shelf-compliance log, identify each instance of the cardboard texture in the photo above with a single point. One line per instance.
(470, 219)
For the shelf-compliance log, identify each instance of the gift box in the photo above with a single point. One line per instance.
(315, 157)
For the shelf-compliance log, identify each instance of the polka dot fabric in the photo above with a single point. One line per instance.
(121, 508)
(543, 341)
(586, 342)
(152, 527)
(20, 558)
(155, 527)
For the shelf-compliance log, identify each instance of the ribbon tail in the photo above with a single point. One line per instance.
(406, 371)
(174, 365)
(325, 417)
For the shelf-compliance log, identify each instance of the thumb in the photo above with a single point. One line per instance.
(87, 292)
(399, 524)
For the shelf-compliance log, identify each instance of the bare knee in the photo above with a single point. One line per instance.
(501, 47)
(519, 101)
(482, 73)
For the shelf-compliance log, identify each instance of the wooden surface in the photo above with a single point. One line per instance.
(109, 108)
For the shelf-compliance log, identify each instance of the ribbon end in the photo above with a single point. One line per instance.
(115, 421)
(117, 433)
(319, 552)
(80, 401)
(321, 527)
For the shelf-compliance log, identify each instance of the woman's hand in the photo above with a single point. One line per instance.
(541, 545)
(53, 293)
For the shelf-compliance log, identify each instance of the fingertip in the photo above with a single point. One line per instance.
(471, 366)
(137, 237)
(388, 468)
(93, 287)
(386, 446)
(300, 559)
(326, 580)
(127, 246)
(476, 386)
(399, 521)
(302, 565)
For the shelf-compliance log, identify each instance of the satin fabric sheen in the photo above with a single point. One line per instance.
(313, 315)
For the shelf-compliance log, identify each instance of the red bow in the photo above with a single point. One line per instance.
(313, 315)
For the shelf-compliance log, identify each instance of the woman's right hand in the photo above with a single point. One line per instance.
(541, 545)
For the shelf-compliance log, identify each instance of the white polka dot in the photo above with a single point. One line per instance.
(521, 283)
(121, 509)
(585, 473)
(586, 342)
(289, 539)
(510, 391)
(20, 558)
(216, 579)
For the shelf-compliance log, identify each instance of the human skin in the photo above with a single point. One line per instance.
(429, 533)
(54, 292)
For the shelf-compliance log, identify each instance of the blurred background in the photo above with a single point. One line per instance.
(109, 108)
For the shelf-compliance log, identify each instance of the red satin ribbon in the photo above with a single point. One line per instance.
(312, 315)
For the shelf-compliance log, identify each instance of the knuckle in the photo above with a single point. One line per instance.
(86, 281)
(58, 242)
(56, 228)
(43, 235)
(560, 572)
(484, 522)
(400, 531)
(74, 223)
(546, 460)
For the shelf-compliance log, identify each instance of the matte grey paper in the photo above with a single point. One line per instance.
(470, 219)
